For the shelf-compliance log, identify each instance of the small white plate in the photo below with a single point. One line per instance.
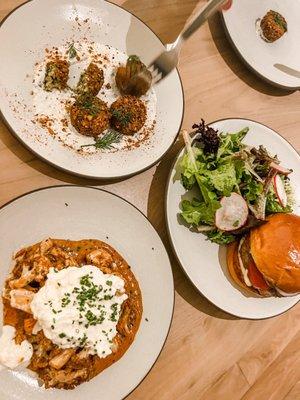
(205, 262)
(240, 24)
(41, 24)
(75, 212)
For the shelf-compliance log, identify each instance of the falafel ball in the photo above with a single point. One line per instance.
(89, 115)
(57, 75)
(128, 115)
(273, 26)
(91, 80)
(133, 78)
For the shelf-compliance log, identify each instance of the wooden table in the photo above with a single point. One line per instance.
(209, 355)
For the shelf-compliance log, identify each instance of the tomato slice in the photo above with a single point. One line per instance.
(256, 277)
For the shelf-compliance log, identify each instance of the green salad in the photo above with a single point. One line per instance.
(238, 185)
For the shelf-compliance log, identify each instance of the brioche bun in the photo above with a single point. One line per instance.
(275, 248)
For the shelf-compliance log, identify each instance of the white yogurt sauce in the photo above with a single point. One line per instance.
(80, 307)
(52, 104)
(13, 355)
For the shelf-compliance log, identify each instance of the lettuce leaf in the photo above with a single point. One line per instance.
(197, 212)
(252, 189)
(188, 176)
(273, 206)
(220, 237)
(223, 178)
(231, 143)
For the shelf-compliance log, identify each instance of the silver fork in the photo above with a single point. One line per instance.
(168, 59)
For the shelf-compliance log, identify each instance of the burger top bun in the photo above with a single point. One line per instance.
(275, 248)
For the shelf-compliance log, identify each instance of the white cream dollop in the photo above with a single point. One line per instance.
(13, 355)
(80, 307)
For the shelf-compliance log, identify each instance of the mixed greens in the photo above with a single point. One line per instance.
(239, 185)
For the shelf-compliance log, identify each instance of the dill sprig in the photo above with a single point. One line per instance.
(72, 51)
(123, 117)
(89, 103)
(107, 141)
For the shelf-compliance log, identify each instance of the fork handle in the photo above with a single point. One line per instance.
(209, 9)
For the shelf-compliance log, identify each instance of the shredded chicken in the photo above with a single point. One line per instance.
(115, 346)
(67, 258)
(101, 258)
(26, 277)
(45, 246)
(21, 299)
(63, 377)
(61, 359)
(83, 354)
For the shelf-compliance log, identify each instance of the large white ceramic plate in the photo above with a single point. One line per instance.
(41, 24)
(261, 56)
(73, 212)
(205, 262)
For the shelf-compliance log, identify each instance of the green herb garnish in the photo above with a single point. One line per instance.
(280, 21)
(72, 51)
(123, 117)
(88, 103)
(133, 57)
(106, 141)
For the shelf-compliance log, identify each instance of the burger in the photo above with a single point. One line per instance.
(266, 261)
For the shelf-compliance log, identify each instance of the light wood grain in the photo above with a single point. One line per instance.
(209, 355)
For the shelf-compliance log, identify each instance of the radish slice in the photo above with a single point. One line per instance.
(280, 169)
(280, 190)
(232, 214)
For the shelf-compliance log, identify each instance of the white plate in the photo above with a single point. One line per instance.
(74, 212)
(41, 24)
(205, 262)
(261, 56)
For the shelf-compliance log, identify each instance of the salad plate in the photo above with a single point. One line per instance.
(202, 255)
(60, 212)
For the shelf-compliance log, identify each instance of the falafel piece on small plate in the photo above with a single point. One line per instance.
(273, 26)
(128, 114)
(89, 115)
(57, 75)
(91, 80)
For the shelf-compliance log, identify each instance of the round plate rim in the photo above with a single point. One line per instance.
(169, 231)
(150, 223)
(78, 174)
(252, 69)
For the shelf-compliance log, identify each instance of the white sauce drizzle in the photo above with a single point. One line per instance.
(13, 355)
(243, 269)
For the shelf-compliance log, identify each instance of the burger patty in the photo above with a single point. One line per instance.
(254, 276)
(245, 251)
